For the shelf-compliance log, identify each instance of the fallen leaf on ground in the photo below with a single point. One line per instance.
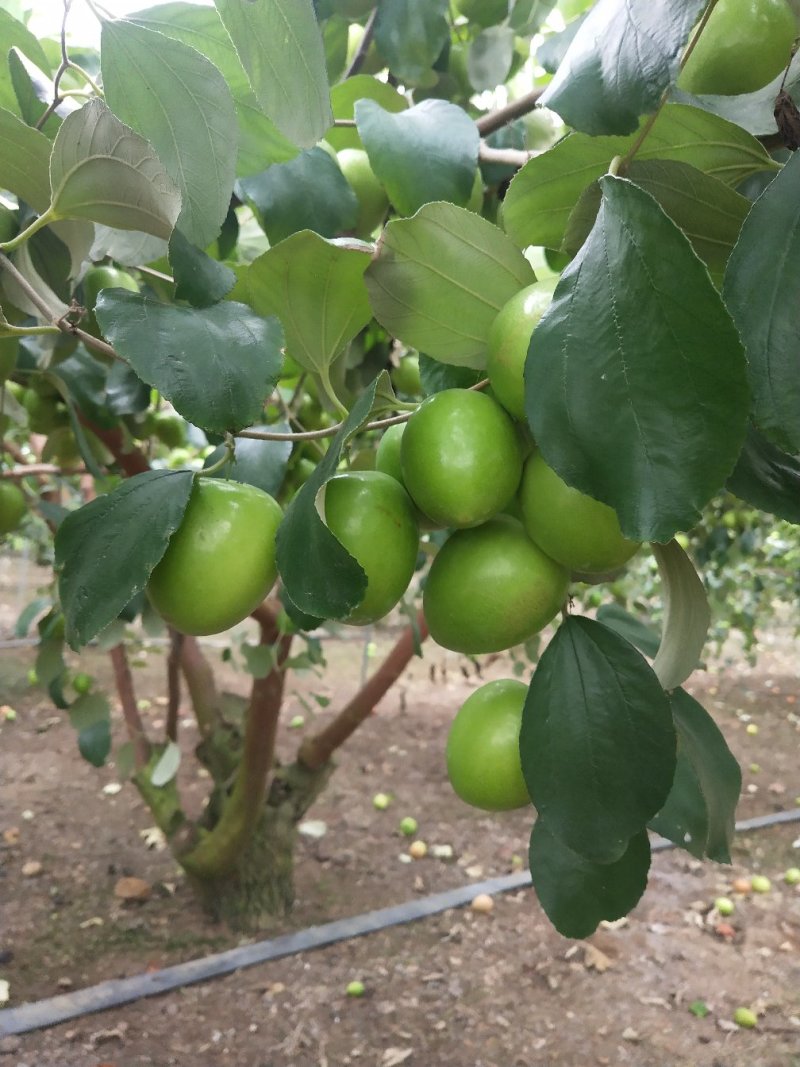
(132, 889)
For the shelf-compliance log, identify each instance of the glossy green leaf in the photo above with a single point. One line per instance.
(542, 196)
(14, 34)
(280, 46)
(34, 92)
(24, 161)
(767, 478)
(260, 142)
(650, 421)
(709, 212)
(761, 294)
(687, 616)
(700, 811)
(215, 365)
(85, 380)
(178, 100)
(439, 280)
(107, 549)
(410, 34)
(619, 63)
(436, 376)
(642, 636)
(259, 463)
(321, 578)
(90, 716)
(316, 288)
(308, 193)
(103, 171)
(550, 53)
(126, 393)
(426, 153)
(597, 741)
(577, 894)
(200, 279)
(489, 58)
(343, 101)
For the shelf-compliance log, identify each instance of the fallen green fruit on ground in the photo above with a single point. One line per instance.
(355, 989)
(408, 826)
(745, 1018)
(760, 883)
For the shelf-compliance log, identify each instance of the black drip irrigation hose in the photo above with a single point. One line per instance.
(119, 991)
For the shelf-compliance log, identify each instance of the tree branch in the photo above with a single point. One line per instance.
(174, 683)
(39, 470)
(363, 48)
(130, 712)
(496, 120)
(201, 685)
(315, 751)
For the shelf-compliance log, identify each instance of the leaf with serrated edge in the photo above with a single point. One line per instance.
(708, 781)
(593, 375)
(183, 352)
(760, 292)
(545, 191)
(177, 99)
(597, 743)
(102, 171)
(321, 578)
(106, 551)
(316, 288)
(280, 46)
(577, 894)
(441, 277)
(620, 61)
(687, 616)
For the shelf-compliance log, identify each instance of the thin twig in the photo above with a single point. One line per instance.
(496, 120)
(63, 67)
(363, 48)
(130, 712)
(32, 470)
(511, 157)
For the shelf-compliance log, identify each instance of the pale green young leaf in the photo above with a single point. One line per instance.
(24, 161)
(687, 616)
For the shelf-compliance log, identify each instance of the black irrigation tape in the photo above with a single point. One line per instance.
(118, 991)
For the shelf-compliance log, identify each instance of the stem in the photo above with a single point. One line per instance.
(363, 48)
(701, 25)
(38, 224)
(174, 683)
(218, 850)
(202, 688)
(330, 392)
(510, 157)
(130, 712)
(227, 457)
(495, 120)
(22, 331)
(316, 751)
(87, 78)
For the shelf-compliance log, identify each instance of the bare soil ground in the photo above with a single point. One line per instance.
(459, 990)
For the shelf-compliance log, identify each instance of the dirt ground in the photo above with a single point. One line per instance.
(459, 990)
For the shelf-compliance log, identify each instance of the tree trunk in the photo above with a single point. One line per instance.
(259, 887)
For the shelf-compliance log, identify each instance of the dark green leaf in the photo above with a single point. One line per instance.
(440, 279)
(215, 365)
(258, 463)
(34, 92)
(544, 193)
(29, 613)
(344, 98)
(178, 100)
(200, 279)
(550, 54)
(308, 193)
(577, 894)
(761, 294)
(489, 58)
(592, 372)
(767, 478)
(90, 716)
(616, 618)
(426, 153)
(50, 664)
(14, 34)
(260, 143)
(597, 741)
(410, 34)
(280, 46)
(126, 393)
(24, 161)
(298, 618)
(436, 376)
(700, 810)
(106, 550)
(85, 379)
(321, 578)
(621, 60)
(316, 288)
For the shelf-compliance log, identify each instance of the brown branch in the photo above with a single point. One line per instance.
(315, 752)
(363, 48)
(174, 683)
(39, 470)
(132, 461)
(496, 120)
(201, 685)
(130, 712)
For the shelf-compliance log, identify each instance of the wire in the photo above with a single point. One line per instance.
(118, 991)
